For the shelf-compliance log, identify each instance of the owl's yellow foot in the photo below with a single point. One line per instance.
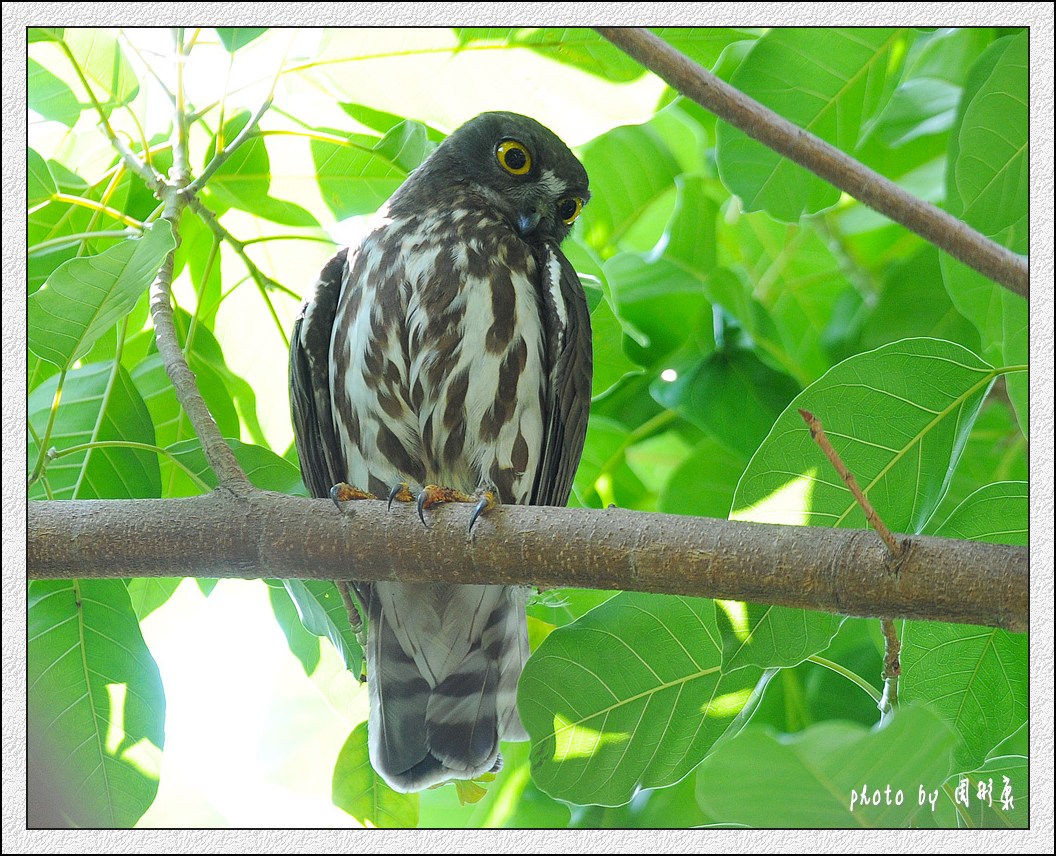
(344, 492)
(435, 494)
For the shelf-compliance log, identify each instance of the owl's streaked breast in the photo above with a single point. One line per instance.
(439, 355)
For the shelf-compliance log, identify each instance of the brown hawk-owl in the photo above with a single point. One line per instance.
(451, 348)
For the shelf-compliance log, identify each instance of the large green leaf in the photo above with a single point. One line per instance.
(788, 286)
(233, 38)
(108, 71)
(244, 179)
(85, 297)
(96, 723)
(703, 484)
(815, 779)
(40, 185)
(98, 403)
(50, 96)
(263, 467)
(987, 186)
(322, 612)
(974, 677)
(898, 416)
(828, 82)
(632, 695)
(361, 792)
(355, 176)
(730, 394)
(635, 167)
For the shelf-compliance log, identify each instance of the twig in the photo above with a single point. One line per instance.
(818, 433)
(892, 668)
(892, 647)
(729, 104)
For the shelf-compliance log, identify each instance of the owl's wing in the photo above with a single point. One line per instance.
(566, 323)
(322, 462)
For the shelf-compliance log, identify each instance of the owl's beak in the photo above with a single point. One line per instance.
(526, 223)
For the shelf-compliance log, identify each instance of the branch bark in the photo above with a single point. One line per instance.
(265, 534)
(760, 123)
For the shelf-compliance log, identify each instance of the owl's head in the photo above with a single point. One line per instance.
(521, 168)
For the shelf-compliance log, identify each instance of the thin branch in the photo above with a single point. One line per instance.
(839, 169)
(892, 647)
(263, 535)
(818, 433)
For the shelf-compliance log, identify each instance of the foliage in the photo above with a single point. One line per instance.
(728, 288)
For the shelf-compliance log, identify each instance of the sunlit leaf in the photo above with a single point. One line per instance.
(96, 723)
(233, 38)
(104, 64)
(828, 82)
(85, 297)
(632, 695)
(898, 416)
(815, 779)
(361, 792)
(987, 186)
(98, 404)
(50, 96)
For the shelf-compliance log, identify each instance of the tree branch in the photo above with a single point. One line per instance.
(729, 104)
(265, 534)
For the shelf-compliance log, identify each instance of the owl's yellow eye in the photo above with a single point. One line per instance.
(568, 209)
(513, 157)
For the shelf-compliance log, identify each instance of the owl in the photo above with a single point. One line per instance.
(448, 356)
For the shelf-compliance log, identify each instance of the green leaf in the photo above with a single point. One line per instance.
(264, 468)
(648, 294)
(611, 364)
(632, 695)
(39, 183)
(815, 779)
(898, 416)
(361, 792)
(913, 304)
(97, 404)
(791, 285)
(322, 612)
(84, 297)
(974, 678)
(636, 168)
(233, 38)
(105, 66)
(96, 723)
(826, 81)
(148, 593)
(704, 483)
(768, 636)
(44, 34)
(730, 394)
(997, 513)
(987, 186)
(406, 145)
(50, 96)
(303, 644)
(354, 177)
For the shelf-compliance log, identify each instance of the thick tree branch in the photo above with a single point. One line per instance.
(272, 535)
(945, 231)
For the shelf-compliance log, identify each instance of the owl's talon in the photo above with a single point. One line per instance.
(402, 492)
(486, 502)
(423, 503)
(344, 492)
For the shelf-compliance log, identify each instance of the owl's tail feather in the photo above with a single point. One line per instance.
(424, 732)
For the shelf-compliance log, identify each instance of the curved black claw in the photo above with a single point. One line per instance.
(485, 503)
(397, 489)
(335, 497)
(423, 497)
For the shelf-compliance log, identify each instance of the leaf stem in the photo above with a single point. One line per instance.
(98, 206)
(42, 451)
(143, 447)
(853, 677)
